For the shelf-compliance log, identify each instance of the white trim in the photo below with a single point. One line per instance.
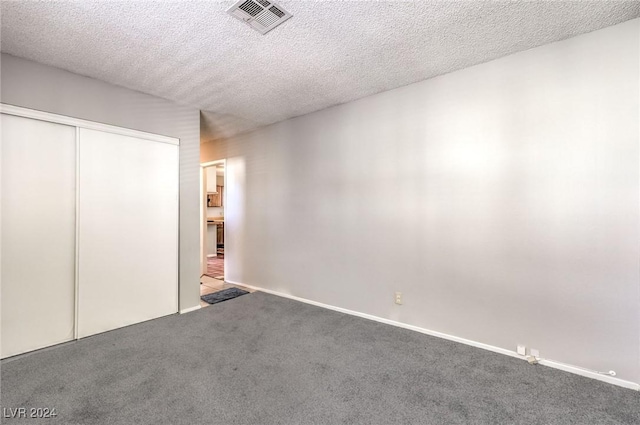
(545, 362)
(211, 163)
(76, 333)
(224, 228)
(77, 122)
(178, 192)
(190, 309)
(590, 374)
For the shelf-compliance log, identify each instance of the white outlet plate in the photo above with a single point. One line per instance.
(522, 350)
(535, 352)
(399, 298)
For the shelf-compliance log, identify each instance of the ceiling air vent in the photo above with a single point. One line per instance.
(262, 15)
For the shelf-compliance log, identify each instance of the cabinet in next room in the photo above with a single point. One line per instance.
(216, 199)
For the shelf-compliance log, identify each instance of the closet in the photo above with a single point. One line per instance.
(89, 236)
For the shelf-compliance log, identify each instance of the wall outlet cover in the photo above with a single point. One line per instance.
(522, 350)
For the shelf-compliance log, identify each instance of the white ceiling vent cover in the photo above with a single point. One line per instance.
(262, 15)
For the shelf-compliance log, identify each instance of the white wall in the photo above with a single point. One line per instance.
(33, 85)
(502, 200)
(215, 211)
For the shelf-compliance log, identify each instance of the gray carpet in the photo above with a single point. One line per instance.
(261, 359)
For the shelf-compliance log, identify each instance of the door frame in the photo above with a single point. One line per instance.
(203, 211)
(79, 123)
(19, 111)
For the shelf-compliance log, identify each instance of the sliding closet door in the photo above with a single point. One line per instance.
(128, 231)
(38, 233)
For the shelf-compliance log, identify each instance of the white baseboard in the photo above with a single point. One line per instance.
(545, 362)
(590, 374)
(190, 309)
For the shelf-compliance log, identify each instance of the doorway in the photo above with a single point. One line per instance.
(213, 200)
(213, 259)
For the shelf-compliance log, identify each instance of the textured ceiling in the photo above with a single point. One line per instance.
(330, 52)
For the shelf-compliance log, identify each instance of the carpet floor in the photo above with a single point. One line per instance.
(262, 359)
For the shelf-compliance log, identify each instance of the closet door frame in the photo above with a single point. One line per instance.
(77, 122)
(107, 128)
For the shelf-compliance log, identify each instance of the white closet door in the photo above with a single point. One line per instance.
(128, 231)
(38, 234)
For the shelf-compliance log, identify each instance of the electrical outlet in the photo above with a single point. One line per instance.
(399, 298)
(522, 350)
(535, 352)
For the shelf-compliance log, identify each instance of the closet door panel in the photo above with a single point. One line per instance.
(38, 233)
(128, 231)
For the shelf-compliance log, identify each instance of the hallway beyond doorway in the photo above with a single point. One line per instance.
(215, 267)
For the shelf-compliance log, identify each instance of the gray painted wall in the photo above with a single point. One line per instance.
(502, 200)
(33, 85)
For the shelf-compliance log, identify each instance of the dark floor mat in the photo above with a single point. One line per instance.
(224, 295)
